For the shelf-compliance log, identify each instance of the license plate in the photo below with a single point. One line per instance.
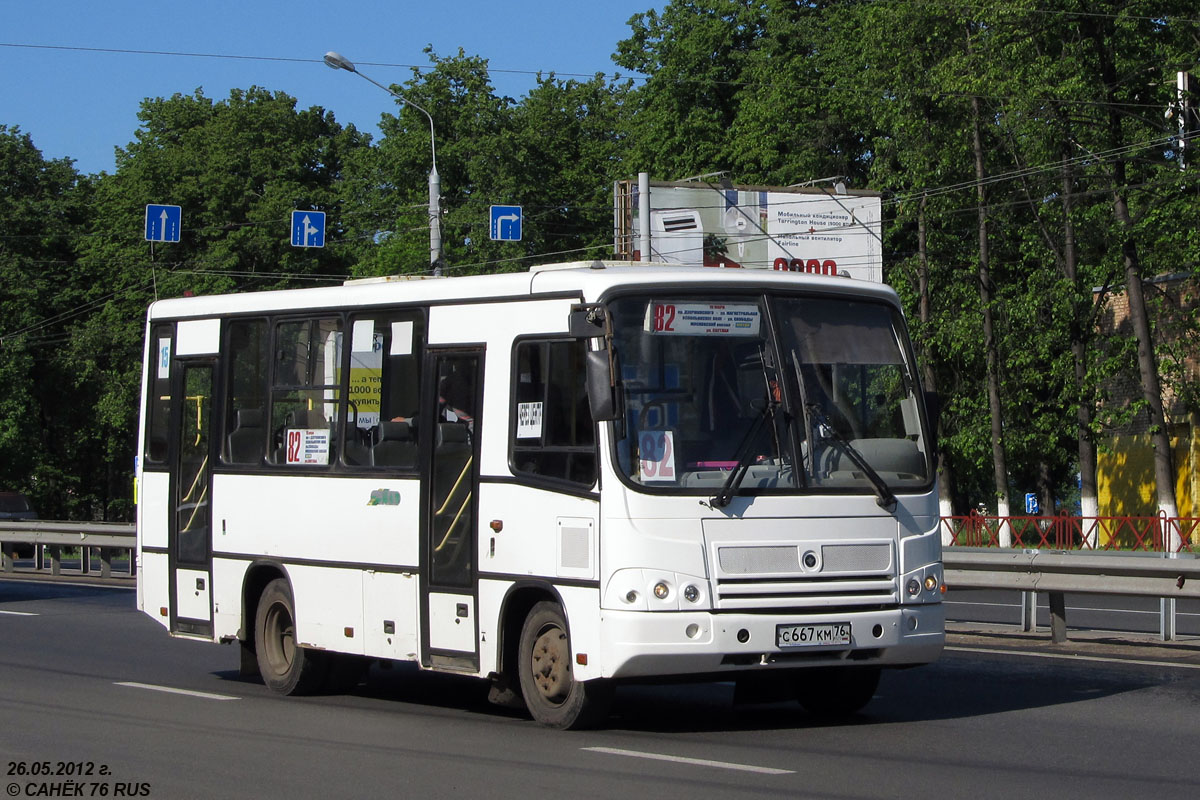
(832, 633)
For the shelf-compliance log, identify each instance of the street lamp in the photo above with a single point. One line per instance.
(338, 61)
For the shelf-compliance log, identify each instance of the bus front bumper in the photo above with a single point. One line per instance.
(654, 644)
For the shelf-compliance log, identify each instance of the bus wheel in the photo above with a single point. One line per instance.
(836, 691)
(552, 695)
(286, 667)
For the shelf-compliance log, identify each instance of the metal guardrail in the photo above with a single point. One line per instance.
(1069, 532)
(1057, 572)
(1029, 571)
(54, 536)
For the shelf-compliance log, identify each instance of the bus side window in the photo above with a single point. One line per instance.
(305, 391)
(383, 389)
(159, 391)
(245, 432)
(552, 431)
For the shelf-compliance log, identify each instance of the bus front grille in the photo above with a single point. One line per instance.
(844, 591)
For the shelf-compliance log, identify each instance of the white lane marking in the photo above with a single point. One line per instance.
(19, 613)
(1071, 657)
(170, 690)
(701, 762)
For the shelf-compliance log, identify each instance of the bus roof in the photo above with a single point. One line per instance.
(587, 279)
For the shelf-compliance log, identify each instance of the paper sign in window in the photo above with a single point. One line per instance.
(363, 339)
(308, 446)
(529, 420)
(164, 359)
(656, 457)
(402, 338)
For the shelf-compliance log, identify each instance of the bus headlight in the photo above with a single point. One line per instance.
(636, 589)
(914, 587)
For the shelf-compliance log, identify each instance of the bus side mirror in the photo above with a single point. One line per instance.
(586, 321)
(602, 396)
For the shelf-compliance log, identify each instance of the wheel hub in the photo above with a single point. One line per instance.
(551, 664)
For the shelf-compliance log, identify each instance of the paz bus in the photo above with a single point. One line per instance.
(556, 481)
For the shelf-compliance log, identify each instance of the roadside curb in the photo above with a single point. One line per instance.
(117, 581)
(1110, 645)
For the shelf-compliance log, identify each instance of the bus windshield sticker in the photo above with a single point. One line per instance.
(657, 455)
(702, 319)
(402, 338)
(308, 446)
(529, 420)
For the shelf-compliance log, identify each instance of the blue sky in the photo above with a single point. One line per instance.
(61, 82)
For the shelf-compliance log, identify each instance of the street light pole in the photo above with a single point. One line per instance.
(338, 61)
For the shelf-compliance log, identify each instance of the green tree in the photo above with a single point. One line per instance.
(237, 168)
(44, 208)
(555, 153)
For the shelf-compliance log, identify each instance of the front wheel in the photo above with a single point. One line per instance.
(552, 695)
(836, 691)
(285, 666)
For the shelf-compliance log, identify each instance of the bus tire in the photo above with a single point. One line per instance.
(286, 667)
(836, 691)
(552, 695)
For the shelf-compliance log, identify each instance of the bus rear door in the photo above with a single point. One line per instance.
(449, 508)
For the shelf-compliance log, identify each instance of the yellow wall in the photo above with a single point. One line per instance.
(1125, 475)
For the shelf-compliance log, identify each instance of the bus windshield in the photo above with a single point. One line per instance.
(793, 393)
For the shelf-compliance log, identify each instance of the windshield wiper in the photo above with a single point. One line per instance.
(738, 473)
(883, 494)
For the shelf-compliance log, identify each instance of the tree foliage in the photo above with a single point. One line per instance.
(1069, 99)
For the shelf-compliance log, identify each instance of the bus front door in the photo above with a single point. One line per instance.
(190, 533)
(449, 628)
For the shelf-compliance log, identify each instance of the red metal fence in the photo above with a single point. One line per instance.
(1147, 534)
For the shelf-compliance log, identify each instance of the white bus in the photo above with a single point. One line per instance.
(555, 480)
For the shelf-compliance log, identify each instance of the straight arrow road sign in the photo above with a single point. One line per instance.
(163, 223)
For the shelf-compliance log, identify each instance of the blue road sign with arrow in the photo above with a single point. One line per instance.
(506, 223)
(163, 223)
(308, 229)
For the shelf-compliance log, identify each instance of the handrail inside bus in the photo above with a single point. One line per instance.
(453, 524)
(450, 496)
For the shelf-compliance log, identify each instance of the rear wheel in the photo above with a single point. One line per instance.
(286, 667)
(836, 691)
(552, 695)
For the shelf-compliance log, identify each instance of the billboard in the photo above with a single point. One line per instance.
(815, 230)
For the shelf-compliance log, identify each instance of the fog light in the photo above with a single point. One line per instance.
(661, 590)
(692, 631)
(931, 583)
(691, 593)
(914, 587)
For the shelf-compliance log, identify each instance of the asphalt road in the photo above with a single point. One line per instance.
(88, 685)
